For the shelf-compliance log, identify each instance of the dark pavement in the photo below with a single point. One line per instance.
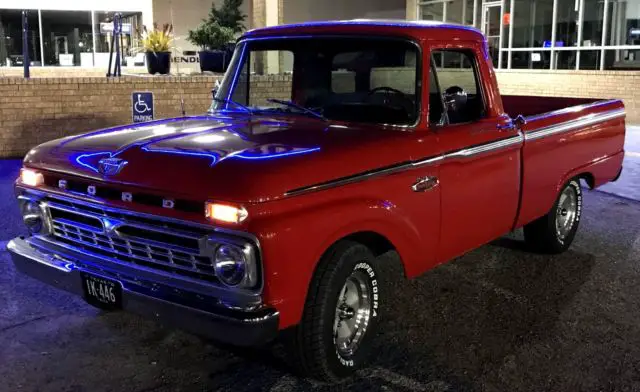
(497, 319)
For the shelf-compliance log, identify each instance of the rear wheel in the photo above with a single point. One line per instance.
(341, 311)
(555, 231)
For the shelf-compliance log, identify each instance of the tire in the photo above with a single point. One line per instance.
(554, 232)
(335, 298)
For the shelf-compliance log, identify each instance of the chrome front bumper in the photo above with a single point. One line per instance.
(191, 312)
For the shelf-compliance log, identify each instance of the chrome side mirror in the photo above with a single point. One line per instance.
(215, 88)
(520, 121)
(506, 123)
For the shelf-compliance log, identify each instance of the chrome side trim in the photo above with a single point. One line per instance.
(454, 155)
(360, 177)
(567, 126)
(485, 148)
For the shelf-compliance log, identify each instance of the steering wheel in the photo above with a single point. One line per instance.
(386, 89)
(396, 98)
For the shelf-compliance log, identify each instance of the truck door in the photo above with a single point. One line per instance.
(480, 167)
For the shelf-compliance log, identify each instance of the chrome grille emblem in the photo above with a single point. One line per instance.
(127, 196)
(91, 189)
(111, 166)
(167, 203)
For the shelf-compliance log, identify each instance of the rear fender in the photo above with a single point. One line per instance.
(601, 171)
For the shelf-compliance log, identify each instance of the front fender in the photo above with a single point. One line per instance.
(294, 241)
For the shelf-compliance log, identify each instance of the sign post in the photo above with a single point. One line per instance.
(142, 106)
(25, 44)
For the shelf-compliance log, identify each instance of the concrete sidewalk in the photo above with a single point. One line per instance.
(628, 185)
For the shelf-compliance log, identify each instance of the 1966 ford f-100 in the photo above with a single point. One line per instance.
(326, 145)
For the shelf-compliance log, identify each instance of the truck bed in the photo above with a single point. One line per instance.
(565, 138)
(535, 106)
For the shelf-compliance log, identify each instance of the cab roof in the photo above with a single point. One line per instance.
(421, 29)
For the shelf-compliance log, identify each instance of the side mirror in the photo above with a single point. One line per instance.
(520, 121)
(506, 123)
(215, 88)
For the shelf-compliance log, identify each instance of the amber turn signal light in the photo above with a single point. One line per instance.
(220, 212)
(31, 177)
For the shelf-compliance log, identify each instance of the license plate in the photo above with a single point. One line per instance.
(101, 292)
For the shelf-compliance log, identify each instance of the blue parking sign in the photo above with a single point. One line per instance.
(142, 106)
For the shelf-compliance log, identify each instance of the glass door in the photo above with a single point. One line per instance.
(491, 26)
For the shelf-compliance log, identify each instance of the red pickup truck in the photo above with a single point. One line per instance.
(326, 145)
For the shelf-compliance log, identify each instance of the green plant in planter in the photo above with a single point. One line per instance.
(229, 15)
(210, 36)
(157, 40)
(215, 34)
(157, 43)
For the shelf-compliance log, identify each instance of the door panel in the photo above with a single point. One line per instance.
(480, 169)
(480, 180)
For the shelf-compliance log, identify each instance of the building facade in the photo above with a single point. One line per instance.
(522, 34)
(68, 33)
(549, 34)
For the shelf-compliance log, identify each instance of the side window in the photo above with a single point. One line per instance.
(453, 74)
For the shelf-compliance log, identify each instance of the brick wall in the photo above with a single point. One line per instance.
(580, 84)
(40, 109)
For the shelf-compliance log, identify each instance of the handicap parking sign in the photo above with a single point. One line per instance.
(142, 106)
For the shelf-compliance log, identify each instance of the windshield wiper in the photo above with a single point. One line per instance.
(299, 107)
(229, 101)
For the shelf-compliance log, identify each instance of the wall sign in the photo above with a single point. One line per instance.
(142, 106)
(107, 28)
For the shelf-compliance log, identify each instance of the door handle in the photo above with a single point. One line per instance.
(424, 184)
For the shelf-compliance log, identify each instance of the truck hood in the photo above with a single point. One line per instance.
(223, 157)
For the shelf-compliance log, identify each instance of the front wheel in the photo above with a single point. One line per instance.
(555, 231)
(341, 313)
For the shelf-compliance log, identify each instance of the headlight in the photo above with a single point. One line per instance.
(31, 177)
(230, 264)
(33, 217)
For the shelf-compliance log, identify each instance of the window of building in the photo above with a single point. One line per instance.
(67, 37)
(131, 27)
(589, 59)
(11, 38)
(532, 25)
(567, 24)
(450, 11)
(457, 85)
(592, 22)
(552, 34)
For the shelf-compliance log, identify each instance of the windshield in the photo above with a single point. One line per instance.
(372, 80)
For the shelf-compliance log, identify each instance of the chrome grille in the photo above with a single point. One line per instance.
(174, 248)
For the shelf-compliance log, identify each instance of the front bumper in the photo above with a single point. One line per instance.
(194, 314)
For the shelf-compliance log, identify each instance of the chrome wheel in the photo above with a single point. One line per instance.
(353, 313)
(566, 212)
